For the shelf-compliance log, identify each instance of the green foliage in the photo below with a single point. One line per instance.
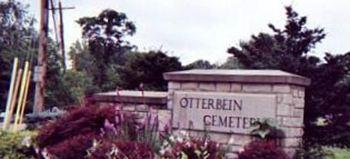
(261, 149)
(285, 49)
(338, 153)
(16, 31)
(267, 130)
(329, 94)
(231, 63)
(106, 44)
(18, 145)
(147, 68)
(70, 88)
(185, 146)
(19, 39)
(313, 152)
(200, 64)
(329, 98)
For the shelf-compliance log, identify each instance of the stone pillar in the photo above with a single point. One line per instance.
(229, 100)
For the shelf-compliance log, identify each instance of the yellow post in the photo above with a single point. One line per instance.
(25, 97)
(10, 92)
(14, 98)
(21, 93)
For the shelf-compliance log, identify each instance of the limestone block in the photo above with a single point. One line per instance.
(279, 120)
(284, 109)
(231, 155)
(257, 88)
(298, 102)
(292, 142)
(239, 140)
(223, 87)
(298, 112)
(234, 148)
(174, 85)
(220, 137)
(170, 99)
(281, 88)
(207, 86)
(235, 87)
(128, 107)
(142, 108)
(164, 117)
(295, 93)
(301, 93)
(292, 132)
(285, 98)
(189, 86)
(289, 151)
(292, 122)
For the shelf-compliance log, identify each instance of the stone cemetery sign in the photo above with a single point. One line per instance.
(225, 103)
(222, 112)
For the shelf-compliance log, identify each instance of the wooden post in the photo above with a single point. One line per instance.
(62, 35)
(40, 72)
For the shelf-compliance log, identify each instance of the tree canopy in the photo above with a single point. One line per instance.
(16, 40)
(147, 68)
(105, 35)
(285, 48)
(288, 49)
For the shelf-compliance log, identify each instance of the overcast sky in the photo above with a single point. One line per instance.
(204, 29)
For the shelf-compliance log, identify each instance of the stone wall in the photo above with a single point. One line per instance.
(150, 102)
(289, 101)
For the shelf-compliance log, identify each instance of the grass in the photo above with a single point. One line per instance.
(339, 153)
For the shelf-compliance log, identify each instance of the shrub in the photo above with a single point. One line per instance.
(267, 130)
(120, 150)
(189, 147)
(262, 150)
(74, 147)
(313, 152)
(17, 145)
(338, 153)
(72, 134)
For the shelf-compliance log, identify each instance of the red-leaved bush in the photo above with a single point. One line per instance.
(120, 150)
(70, 136)
(193, 148)
(262, 149)
(75, 147)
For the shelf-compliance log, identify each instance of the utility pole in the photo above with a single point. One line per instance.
(61, 31)
(40, 69)
(62, 36)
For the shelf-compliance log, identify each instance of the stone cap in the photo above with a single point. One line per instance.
(240, 76)
(127, 96)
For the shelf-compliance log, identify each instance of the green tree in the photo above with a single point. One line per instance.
(147, 68)
(16, 34)
(231, 63)
(105, 35)
(287, 49)
(328, 97)
(200, 64)
(18, 38)
(284, 49)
